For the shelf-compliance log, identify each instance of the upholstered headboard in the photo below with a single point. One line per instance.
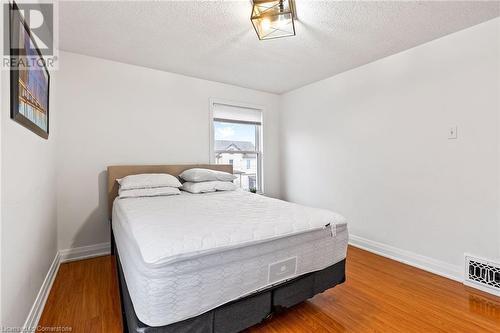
(119, 171)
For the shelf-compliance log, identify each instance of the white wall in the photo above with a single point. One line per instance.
(498, 147)
(28, 209)
(114, 113)
(28, 201)
(1, 135)
(372, 144)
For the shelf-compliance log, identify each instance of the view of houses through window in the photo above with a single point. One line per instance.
(238, 144)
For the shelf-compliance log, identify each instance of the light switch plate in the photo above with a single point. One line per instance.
(452, 132)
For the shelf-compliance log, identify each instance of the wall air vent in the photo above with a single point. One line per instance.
(482, 274)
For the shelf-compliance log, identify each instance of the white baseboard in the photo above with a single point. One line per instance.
(85, 252)
(62, 256)
(410, 258)
(40, 300)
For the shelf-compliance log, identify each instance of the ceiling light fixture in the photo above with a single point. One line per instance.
(273, 18)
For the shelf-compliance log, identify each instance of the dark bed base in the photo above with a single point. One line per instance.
(242, 313)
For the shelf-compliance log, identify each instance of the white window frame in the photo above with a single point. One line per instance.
(259, 136)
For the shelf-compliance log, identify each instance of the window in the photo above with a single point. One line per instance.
(236, 139)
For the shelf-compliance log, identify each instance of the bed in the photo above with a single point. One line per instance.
(218, 262)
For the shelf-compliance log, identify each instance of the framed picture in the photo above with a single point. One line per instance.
(29, 78)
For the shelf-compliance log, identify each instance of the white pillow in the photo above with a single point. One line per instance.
(225, 186)
(148, 192)
(148, 180)
(210, 186)
(203, 175)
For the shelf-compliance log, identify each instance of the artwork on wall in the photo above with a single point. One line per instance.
(29, 79)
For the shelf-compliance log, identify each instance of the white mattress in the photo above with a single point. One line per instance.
(187, 254)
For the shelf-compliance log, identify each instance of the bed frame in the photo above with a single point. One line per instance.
(234, 316)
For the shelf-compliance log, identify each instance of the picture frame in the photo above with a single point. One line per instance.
(29, 85)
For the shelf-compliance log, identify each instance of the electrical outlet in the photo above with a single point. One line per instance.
(452, 132)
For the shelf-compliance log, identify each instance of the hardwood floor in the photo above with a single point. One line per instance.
(85, 297)
(380, 295)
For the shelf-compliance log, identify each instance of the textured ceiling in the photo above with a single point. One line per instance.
(215, 40)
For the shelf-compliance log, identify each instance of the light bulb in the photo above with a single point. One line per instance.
(266, 24)
(282, 21)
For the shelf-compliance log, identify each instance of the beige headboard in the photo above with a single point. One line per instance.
(119, 171)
